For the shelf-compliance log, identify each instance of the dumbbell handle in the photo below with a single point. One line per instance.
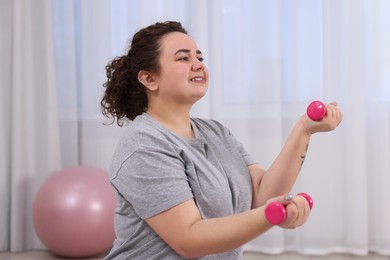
(276, 213)
(316, 110)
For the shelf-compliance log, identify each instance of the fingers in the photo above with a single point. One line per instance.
(288, 211)
(334, 113)
(298, 211)
(315, 123)
(284, 199)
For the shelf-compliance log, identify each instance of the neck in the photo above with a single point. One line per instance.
(178, 122)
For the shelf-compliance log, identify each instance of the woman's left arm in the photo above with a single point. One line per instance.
(282, 174)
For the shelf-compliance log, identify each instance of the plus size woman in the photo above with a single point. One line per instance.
(186, 187)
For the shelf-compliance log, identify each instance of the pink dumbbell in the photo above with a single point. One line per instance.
(276, 213)
(316, 110)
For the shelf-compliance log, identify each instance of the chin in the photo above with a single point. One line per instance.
(199, 96)
(202, 93)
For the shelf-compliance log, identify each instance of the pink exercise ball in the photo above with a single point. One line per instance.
(73, 212)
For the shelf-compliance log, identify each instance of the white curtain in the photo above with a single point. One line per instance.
(29, 135)
(267, 61)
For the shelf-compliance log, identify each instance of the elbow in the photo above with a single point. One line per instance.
(187, 251)
(186, 254)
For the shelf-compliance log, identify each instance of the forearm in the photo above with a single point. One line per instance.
(191, 236)
(282, 174)
(223, 234)
(183, 229)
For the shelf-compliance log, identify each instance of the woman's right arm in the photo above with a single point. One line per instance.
(183, 229)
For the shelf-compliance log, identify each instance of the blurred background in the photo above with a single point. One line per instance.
(268, 59)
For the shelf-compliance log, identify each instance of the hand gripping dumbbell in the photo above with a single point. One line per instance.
(316, 110)
(276, 213)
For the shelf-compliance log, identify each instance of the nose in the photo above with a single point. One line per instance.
(198, 65)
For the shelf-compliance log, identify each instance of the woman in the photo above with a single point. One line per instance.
(186, 187)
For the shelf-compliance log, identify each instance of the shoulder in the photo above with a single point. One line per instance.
(144, 134)
(140, 136)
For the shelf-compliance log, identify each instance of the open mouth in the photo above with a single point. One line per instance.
(198, 79)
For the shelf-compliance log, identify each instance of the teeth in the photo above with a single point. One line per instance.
(197, 79)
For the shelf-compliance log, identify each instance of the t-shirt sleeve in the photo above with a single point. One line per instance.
(249, 160)
(214, 127)
(153, 181)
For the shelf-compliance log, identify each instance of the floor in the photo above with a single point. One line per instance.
(45, 255)
(294, 256)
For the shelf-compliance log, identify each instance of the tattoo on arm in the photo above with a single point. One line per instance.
(304, 156)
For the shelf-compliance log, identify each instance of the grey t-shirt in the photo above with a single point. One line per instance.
(153, 170)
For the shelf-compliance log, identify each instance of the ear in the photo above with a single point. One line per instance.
(148, 79)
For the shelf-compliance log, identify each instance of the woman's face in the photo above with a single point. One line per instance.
(183, 78)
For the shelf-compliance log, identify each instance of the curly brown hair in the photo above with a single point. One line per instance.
(124, 96)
